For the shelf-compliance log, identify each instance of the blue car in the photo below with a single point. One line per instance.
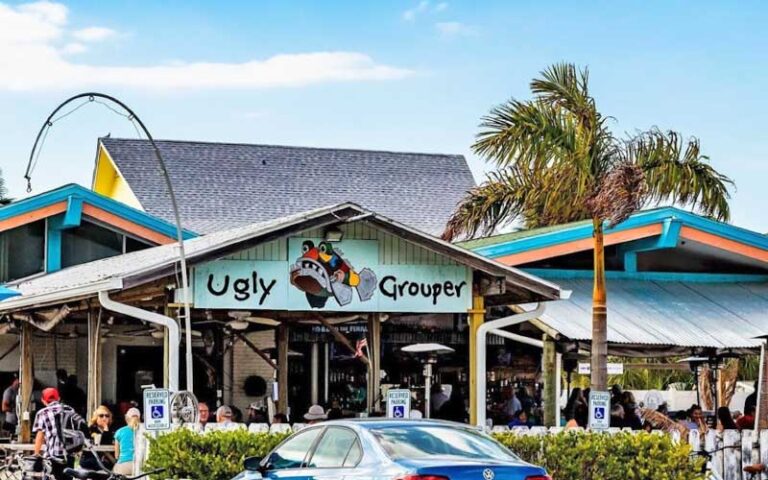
(379, 449)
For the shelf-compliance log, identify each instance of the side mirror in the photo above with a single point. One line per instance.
(252, 464)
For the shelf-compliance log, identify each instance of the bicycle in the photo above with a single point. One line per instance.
(103, 473)
(17, 466)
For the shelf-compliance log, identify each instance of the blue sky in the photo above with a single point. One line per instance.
(404, 75)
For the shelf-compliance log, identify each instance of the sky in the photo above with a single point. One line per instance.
(396, 75)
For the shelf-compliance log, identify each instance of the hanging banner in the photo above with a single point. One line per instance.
(325, 276)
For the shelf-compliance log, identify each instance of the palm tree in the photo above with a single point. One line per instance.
(558, 162)
(3, 191)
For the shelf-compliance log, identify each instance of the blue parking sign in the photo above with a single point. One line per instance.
(398, 411)
(157, 411)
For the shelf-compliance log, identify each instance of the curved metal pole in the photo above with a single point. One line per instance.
(91, 96)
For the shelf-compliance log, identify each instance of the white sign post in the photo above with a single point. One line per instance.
(398, 404)
(599, 411)
(157, 409)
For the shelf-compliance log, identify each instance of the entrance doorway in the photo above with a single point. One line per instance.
(137, 366)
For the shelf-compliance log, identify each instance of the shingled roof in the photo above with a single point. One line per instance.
(223, 185)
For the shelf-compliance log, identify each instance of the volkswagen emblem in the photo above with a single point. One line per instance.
(488, 474)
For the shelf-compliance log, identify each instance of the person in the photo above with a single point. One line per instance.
(49, 439)
(237, 415)
(616, 394)
(617, 416)
(647, 426)
(124, 443)
(454, 409)
(521, 420)
(78, 399)
(279, 418)
(315, 414)
(663, 409)
(631, 412)
(437, 399)
(100, 434)
(9, 406)
(204, 413)
(751, 400)
(576, 410)
(725, 420)
(747, 421)
(696, 418)
(224, 415)
(255, 414)
(512, 403)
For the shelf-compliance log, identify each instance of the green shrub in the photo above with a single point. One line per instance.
(213, 456)
(595, 456)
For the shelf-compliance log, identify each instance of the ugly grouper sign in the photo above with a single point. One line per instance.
(333, 282)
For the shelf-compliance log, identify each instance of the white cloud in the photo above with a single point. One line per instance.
(455, 29)
(73, 48)
(424, 6)
(33, 54)
(93, 34)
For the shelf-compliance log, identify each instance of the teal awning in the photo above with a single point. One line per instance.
(6, 292)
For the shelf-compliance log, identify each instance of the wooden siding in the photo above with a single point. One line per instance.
(393, 250)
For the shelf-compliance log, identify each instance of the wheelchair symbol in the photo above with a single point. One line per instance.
(599, 413)
(398, 411)
(157, 412)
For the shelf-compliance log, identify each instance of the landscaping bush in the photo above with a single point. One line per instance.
(595, 456)
(213, 456)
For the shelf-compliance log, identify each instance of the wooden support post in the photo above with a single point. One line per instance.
(374, 366)
(282, 368)
(94, 362)
(761, 422)
(549, 368)
(476, 317)
(27, 379)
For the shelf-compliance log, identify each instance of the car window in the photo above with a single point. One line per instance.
(418, 442)
(354, 456)
(291, 454)
(333, 448)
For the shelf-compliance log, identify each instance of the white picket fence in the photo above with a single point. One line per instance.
(732, 450)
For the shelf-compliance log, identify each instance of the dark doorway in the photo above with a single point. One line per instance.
(137, 366)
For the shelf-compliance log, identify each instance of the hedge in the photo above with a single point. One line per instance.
(566, 456)
(595, 456)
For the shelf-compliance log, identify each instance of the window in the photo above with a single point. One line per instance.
(291, 454)
(133, 245)
(89, 242)
(334, 448)
(22, 251)
(354, 456)
(418, 442)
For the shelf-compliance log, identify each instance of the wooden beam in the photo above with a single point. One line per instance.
(476, 317)
(27, 379)
(94, 361)
(282, 371)
(340, 337)
(374, 366)
(256, 350)
(549, 368)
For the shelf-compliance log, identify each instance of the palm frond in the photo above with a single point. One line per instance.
(676, 171)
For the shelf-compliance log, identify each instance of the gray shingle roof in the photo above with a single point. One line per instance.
(221, 185)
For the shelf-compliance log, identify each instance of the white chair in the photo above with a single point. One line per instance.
(258, 428)
(279, 428)
(520, 430)
(539, 430)
(298, 426)
(500, 429)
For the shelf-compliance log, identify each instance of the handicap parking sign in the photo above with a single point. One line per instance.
(398, 411)
(599, 403)
(157, 408)
(599, 413)
(398, 403)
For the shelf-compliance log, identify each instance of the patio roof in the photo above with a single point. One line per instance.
(136, 268)
(665, 315)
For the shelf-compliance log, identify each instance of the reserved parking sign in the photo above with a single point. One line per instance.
(398, 404)
(599, 411)
(157, 409)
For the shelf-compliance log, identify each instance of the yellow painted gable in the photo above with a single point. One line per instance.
(108, 181)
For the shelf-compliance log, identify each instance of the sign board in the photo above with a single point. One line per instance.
(613, 369)
(398, 404)
(157, 409)
(599, 411)
(352, 275)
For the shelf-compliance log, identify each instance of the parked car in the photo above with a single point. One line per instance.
(379, 449)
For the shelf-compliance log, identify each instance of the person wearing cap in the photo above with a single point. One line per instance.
(255, 415)
(224, 415)
(49, 440)
(124, 443)
(315, 414)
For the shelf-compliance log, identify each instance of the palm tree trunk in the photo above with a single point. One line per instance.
(599, 314)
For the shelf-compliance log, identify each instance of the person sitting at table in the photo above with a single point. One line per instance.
(100, 435)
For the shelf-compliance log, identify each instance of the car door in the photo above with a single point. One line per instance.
(335, 455)
(288, 459)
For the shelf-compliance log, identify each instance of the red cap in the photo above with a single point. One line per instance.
(50, 395)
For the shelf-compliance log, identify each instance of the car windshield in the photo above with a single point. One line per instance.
(422, 441)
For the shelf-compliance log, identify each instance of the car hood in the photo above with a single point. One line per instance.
(468, 469)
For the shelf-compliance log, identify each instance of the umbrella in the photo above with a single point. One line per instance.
(6, 292)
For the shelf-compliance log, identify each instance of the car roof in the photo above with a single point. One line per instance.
(375, 423)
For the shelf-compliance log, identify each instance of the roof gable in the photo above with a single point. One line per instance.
(222, 185)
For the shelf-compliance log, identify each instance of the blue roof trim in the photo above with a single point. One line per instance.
(563, 274)
(639, 219)
(66, 192)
